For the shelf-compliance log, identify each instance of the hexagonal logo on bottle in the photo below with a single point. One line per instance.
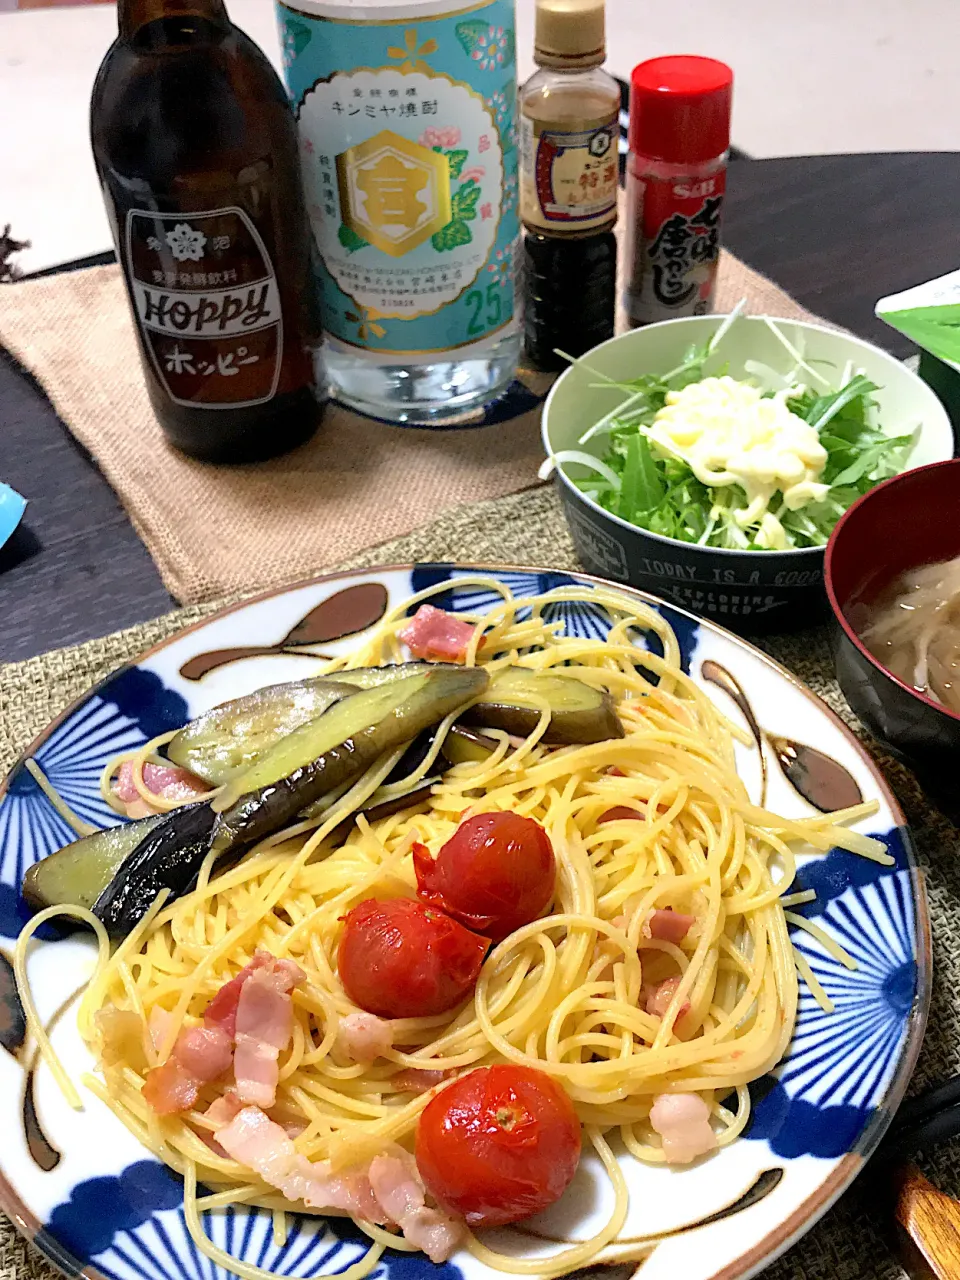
(394, 193)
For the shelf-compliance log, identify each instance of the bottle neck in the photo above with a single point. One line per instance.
(172, 22)
(569, 68)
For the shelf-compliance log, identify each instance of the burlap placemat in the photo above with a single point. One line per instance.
(850, 1243)
(217, 530)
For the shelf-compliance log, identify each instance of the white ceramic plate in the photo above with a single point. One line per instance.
(82, 1188)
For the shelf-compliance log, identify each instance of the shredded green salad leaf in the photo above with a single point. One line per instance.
(663, 494)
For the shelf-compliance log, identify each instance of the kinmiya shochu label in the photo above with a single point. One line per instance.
(409, 158)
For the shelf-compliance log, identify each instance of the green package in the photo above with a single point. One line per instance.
(929, 314)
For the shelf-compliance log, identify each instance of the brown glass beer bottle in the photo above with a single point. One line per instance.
(196, 147)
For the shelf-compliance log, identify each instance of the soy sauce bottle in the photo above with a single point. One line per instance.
(570, 129)
(570, 295)
(196, 148)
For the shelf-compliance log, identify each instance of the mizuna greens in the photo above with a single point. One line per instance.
(636, 480)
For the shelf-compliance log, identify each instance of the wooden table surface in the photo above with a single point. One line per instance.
(837, 232)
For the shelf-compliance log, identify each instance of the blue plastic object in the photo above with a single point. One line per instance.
(12, 507)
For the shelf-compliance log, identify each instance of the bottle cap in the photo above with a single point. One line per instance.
(569, 33)
(680, 109)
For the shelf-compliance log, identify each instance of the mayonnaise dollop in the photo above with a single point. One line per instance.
(728, 432)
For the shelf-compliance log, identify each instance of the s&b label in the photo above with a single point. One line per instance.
(673, 252)
(205, 296)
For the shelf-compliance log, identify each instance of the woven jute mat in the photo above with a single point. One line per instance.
(850, 1242)
(217, 530)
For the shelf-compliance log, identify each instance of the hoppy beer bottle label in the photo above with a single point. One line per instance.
(409, 160)
(206, 301)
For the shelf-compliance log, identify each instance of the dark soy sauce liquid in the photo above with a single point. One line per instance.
(570, 291)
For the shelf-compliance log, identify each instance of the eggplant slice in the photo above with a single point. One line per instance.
(78, 873)
(229, 738)
(169, 857)
(463, 746)
(411, 759)
(120, 872)
(371, 677)
(579, 713)
(336, 749)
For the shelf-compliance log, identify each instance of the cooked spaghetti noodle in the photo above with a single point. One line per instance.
(563, 994)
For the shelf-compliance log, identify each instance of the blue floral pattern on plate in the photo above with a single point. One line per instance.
(823, 1101)
(590, 622)
(127, 710)
(163, 1249)
(134, 1226)
(839, 1064)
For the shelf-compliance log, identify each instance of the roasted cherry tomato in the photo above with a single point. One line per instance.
(401, 959)
(495, 873)
(499, 1144)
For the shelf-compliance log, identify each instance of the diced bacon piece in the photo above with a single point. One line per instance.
(349, 1191)
(683, 1122)
(390, 1191)
(199, 1055)
(615, 772)
(121, 1037)
(255, 1008)
(437, 1233)
(203, 1052)
(362, 1037)
(284, 975)
(254, 1140)
(220, 1112)
(222, 1009)
(619, 812)
(173, 783)
(169, 781)
(416, 1080)
(124, 787)
(209, 1140)
(434, 633)
(256, 1070)
(224, 1109)
(397, 1185)
(668, 925)
(658, 999)
(170, 1088)
(159, 1023)
(264, 1012)
(264, 1024)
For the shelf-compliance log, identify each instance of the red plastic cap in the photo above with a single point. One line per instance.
(680, 108)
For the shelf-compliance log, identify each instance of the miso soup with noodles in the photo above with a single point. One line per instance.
(913, 629)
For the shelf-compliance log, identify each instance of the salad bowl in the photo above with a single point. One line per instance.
(744, 589)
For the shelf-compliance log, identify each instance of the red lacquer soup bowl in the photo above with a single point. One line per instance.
(911, 520)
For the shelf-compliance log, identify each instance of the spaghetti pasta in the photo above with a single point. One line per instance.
(568, 994)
